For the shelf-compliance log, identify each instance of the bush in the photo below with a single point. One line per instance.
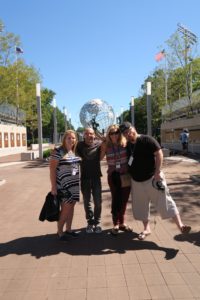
(46, 153)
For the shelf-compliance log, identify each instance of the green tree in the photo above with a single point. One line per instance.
(8, 43)
(181, 54)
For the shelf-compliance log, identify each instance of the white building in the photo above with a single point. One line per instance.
(13, 135)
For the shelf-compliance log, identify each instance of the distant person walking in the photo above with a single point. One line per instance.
(184, 138)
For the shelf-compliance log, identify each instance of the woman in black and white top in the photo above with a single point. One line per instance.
(65, 179)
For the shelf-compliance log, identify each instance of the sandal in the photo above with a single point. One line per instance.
(114, 231)
(142, 235)
(185, 229)
(125, 228)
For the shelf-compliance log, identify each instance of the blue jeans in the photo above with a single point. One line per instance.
(92, 187)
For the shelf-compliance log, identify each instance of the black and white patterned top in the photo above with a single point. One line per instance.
(67, 174)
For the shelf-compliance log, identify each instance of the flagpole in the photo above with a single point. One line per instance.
(159, 56)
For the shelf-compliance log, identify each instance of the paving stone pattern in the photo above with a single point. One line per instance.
(34, 264)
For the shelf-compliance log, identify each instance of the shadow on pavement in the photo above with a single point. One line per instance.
(36, 164)
(93, 244)
(193, 238)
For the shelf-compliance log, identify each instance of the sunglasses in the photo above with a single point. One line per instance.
(114, 133)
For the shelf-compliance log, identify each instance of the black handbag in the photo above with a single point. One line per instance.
(51, 209)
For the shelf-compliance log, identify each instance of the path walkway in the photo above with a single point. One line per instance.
(35, 265)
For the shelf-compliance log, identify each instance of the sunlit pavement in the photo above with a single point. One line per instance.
(34, 264)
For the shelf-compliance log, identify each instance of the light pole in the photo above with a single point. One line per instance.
(189, 39)
(54, 123)
(65, 117)
(69, 120)
(1, 27)
(39, 116)
(149, 130)
(117, 118)
(132, 111)
(122, 117)
(191, 87)
(18, 51)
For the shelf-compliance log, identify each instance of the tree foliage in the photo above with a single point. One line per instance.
(179, 76)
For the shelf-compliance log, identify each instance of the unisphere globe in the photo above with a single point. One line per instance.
(97, 114)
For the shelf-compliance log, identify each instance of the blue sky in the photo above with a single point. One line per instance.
(86, 49)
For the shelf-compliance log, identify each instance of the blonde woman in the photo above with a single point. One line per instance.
(116, 155)
(64, 177)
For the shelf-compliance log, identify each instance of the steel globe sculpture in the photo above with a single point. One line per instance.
(97, 114)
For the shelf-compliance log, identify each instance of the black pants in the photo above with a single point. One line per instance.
(118, 214)
(92, 187)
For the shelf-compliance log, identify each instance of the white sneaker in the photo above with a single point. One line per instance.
(98, 229)
(89, 229)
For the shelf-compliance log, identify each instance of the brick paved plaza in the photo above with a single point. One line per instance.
(34, 264)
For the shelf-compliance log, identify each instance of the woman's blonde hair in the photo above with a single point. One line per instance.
(121, 139)
(64, 137)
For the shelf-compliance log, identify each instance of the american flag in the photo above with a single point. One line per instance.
(160, 55)
(19, 50)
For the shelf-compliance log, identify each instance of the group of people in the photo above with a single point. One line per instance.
(134, 167)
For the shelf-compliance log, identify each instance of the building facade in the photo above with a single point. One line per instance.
(13, 135)
(181, 114)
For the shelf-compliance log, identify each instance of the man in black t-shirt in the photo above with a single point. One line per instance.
(89, 151)
(148, 183)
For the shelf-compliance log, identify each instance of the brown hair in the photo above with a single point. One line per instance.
(121, 140)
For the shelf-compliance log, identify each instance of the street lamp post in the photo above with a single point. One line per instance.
(189, 39)
(132, 111)
(191, 87)
(69, 120)
(39, 116)
(149, 129)
(1, 27)
(117, 118)
(65, 116)
(18, 51)
(122, 116)
(54, 123)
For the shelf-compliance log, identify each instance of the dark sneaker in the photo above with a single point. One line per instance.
(89, 229)
(98, 229)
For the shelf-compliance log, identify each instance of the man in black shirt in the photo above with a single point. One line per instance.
(89, 151)
(148, 182)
